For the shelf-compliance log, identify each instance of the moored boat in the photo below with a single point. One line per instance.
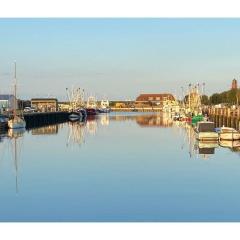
(91, 106)
(227, 133)
(205, 131)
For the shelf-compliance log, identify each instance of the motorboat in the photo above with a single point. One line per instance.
(227, 133)
(205, 131)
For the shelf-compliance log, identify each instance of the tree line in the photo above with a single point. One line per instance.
(231, 97)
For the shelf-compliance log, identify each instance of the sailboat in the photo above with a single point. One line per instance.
(16, 121)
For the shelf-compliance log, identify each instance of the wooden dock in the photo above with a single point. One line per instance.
(227, 116)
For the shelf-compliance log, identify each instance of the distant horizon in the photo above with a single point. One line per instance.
(118, 58)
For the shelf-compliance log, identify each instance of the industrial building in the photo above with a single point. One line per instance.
(45, 104)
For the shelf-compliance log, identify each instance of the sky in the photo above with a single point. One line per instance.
(118, 58)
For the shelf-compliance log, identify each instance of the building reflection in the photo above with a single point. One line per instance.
(145, 120)
(47, 130)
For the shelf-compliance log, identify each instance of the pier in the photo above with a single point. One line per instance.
(226, 116)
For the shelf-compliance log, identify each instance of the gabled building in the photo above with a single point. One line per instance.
(157, 98)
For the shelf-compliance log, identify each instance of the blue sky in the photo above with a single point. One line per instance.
(119, 58)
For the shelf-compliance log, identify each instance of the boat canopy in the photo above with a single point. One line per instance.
(206, 127)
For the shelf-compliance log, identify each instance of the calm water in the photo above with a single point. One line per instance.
(117, 167)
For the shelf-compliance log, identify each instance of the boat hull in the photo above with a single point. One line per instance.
(15, 124)
(75, 116)
(230, 136)
(104, 110)
(91, 111)
(207, 136)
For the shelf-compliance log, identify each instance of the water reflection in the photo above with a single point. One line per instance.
(145, 120)
(76, 133)
(15, 136)
(47, 130)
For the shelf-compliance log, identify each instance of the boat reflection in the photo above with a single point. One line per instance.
(91, 124)
(202, 149)
(206, 149)
(15, 136)
(16, 133)
(104, 119)
(76, 133)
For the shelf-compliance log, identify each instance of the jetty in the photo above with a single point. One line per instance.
(38, 119)
(227, 116)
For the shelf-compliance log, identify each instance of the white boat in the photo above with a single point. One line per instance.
(205, 131)
(227, 133)
(17, 121)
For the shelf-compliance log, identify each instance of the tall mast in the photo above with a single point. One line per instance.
(15, 89)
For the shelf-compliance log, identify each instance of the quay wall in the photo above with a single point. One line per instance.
(44, 118)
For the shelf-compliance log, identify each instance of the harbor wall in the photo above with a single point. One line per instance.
(46, 118)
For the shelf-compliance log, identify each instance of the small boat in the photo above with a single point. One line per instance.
(205, 131)
(227, 133)
(91, 106)
(74, 116)
(17, 121)
(78, 114)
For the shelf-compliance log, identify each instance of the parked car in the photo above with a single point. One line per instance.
(29, 109)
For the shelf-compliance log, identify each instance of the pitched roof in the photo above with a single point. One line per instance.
(154, 97)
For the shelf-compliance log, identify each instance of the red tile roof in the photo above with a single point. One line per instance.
(155, 97)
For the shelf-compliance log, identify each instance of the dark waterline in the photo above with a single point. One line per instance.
(117, 167)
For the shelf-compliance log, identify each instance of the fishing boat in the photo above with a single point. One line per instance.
(91, 106)
(205, 131)
(17, 121)
(227, 133)
(104, 107)
(76, 100)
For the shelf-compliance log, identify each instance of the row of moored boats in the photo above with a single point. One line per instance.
(206, 131)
